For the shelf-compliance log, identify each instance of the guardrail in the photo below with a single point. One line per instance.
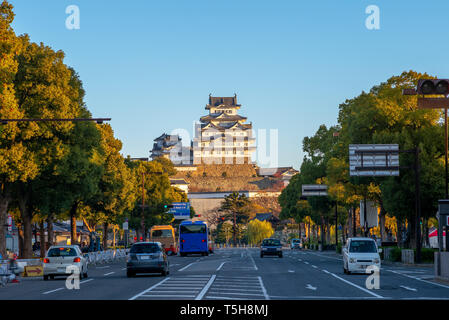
(94, 258)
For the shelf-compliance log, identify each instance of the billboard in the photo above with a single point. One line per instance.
(310, 190)
(373, 160)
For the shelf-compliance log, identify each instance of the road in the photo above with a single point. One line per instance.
(235, 274)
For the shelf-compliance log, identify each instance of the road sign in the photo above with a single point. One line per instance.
(368, 160)
(433, 103)
(180, 210)
(125, 225)
(372, 214)
(311, 190)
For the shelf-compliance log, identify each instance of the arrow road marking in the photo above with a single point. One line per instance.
(311, 287)
(410, 289)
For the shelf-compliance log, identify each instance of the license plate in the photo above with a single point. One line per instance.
(144, 257)
(364, 266)
(61, 270)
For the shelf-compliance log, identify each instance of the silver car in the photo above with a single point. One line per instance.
(147, 257)
(58, 258)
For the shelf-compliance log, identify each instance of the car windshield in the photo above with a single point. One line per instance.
(192, 228)
(296, 241)
(164, 233)
(271, 242)
(366, 246)
(62, 252)
(145, 248)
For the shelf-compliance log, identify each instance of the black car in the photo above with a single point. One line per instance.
(271, 247)
(147, 257)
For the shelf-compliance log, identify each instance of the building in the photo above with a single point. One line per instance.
(170, 147)
(283, 173)
(222, 136)
(180, 184)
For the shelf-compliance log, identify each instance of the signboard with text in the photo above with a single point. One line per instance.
(371, 160)
(180, 210)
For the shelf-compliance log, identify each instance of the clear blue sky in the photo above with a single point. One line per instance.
(151, 64)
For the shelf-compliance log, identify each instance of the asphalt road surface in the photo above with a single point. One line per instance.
(235, 274)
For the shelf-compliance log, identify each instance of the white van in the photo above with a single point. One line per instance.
(359, 254)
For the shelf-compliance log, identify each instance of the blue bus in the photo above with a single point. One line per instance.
(193, 238)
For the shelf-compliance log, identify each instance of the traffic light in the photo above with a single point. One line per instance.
(433, 86)
(135, 238)
(168, 206)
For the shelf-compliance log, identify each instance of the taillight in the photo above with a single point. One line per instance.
(183, 241)
(77, 259)
(203, 240)
(46, 260)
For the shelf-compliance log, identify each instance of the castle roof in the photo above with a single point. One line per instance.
(223, 102)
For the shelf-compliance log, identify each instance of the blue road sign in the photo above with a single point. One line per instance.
(180, 210)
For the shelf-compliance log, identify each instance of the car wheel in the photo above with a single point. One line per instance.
(261, 255)
(182, 254)
(206, 253)
(130, 274)
(85, 274)
(164, 273)
(45, 278)
(52, 277)
(280, 256)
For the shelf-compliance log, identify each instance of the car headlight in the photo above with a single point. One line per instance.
(278, 249)
(352, 260)
(264, 248)
(376, 260)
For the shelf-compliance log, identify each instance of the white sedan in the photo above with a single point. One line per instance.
(58, 258)
(359, 254)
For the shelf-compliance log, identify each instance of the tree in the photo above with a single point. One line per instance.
(16, 164)
(117, 186)
(258, 230)
(238, 207)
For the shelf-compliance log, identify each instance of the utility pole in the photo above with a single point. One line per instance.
(417, 206)
(234, 228)
(336, 226)
(142, 218)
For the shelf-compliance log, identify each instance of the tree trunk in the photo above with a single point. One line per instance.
(382, 223)
(50, 233)
(105, 235)
(412, 232)
(73, 233)
(354, 222)
(26, 217)
(27, 235)
(4, 201)
(42, 238)
(20, 236)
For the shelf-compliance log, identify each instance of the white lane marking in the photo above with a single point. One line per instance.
(314, 266)
(206, 287)
(306, 262)
(252, 259)
(408, 288)
(326, 271)
(354, 285)
(47, 292)
(309, 286)
(82, 282)
(103, 267)
(123, 269)
(291, 271)
(221, 265)
(167, 296)
(182, 269)
(149, 289)
(323, 297)
(107, 274)
(320, 255)
(224, 298)
(263, 289)
(406, 275)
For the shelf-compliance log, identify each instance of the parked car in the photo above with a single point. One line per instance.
(58, 258)
(147, 257)
(359, 254)
(296, 244)
(271, 247)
